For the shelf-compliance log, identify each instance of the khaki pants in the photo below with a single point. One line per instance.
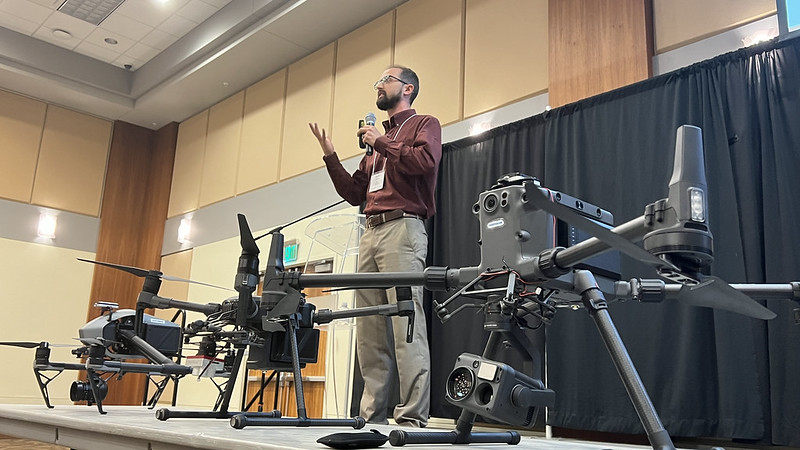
(384, 356)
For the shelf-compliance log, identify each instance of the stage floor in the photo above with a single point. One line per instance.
(131, 427)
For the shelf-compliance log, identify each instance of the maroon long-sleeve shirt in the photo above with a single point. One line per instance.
(409, 152)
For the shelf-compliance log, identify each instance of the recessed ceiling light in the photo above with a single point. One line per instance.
(110, 41)
(92, 11)
(225, 83)
(61, 34)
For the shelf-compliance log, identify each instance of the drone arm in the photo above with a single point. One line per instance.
(146, 349)
(154, 301)
(165, 369)
(324, 316)
(433, 278)
(654, 291)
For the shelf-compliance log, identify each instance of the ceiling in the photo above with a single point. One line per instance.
(151, 62)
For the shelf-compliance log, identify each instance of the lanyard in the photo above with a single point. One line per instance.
(395, 136)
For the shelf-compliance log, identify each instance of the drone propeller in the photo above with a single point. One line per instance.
(142, 273)
(246, 236)
(713, 292)
(25, 344)
(542, 201)
(98, 341)
(247, 272)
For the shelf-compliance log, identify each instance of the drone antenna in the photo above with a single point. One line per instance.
(278, 229)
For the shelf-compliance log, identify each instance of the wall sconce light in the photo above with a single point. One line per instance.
(185, 231)
(47, 225)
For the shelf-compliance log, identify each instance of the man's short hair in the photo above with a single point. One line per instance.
(410, 77)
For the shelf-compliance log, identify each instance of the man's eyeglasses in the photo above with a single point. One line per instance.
(387, 78)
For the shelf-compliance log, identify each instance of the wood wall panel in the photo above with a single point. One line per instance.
(429, 40)
(309, 95)
(262, 126)
(361, 58)
(72, 161)
(221, 160)
(189, 153)
(506, 53)
(134, 210)
(675, 21)
(21, 122)
(597, 46)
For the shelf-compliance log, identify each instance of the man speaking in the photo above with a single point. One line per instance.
(396, 182)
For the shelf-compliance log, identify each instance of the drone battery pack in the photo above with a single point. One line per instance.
(276, 353)
(162, 334)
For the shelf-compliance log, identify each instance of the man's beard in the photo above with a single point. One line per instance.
(387, 102)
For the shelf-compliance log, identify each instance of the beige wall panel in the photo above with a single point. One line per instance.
(222, 150)
(309, 95)
(214, 263)
(428, 39)
(34, 311)
(21, 122)
(361, 58)
(259, 154)
(72, 161)
(677, 22)
(189, 151)
(506, 52)
(176, 265)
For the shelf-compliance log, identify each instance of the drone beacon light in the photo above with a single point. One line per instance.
(681, 235)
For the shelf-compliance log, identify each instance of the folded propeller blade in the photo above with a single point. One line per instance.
(713, 292)
(23, 344)
(246, 237)
(142, 273)
(542, 201)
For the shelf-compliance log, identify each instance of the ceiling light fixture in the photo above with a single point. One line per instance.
(110, 41)
(92, 11)
(61, 34)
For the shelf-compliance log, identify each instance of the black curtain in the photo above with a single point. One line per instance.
(709, 373)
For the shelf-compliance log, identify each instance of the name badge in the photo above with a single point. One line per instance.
(376, 181)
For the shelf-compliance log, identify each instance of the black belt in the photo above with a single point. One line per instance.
(378, 219)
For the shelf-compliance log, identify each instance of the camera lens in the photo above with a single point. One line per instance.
(460, 383)
(490, 203)
(82, 391)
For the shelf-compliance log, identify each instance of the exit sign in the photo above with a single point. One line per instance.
(290, 251)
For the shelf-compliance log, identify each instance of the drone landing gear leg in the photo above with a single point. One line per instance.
(595, 304)
(160, 385)
(43, 384)
(94, 384)
(222, 402)
(242, 420)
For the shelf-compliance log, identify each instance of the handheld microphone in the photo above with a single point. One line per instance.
(370, 120)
